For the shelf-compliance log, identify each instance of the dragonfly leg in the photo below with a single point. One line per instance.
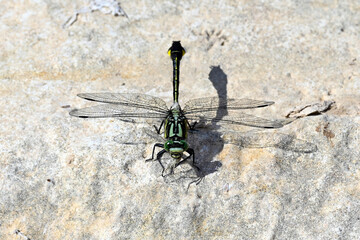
(159, 129)
(158, 158)
(191, 126)
(196, 181)
(160, 145)
(191, 153)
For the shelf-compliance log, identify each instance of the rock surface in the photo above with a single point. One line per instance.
(69, 178)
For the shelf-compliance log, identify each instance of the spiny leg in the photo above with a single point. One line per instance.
(200, 178)
(197, 181)
(158, 158)
(191, 152)
(159, 129)
(191, 126)
(160, 145)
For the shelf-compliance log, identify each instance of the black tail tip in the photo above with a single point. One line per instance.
(176, 50)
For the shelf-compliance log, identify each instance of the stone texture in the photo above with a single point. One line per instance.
(68, 178)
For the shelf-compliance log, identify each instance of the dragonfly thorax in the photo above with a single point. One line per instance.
(176, 124)
(175, 132)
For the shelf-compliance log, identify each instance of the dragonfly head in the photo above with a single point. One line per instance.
(176, 148)
(176, 50)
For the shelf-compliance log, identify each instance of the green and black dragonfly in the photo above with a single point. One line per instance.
(176, 120)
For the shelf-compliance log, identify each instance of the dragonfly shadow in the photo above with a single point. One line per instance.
(210, 143)
(207, 152)
(219, 80)
(265, 139)
(209, 140)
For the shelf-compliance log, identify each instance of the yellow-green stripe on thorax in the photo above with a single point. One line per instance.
(175, 124)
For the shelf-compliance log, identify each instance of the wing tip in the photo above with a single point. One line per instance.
(277, 125)
(269, 127)
(85, 96)
(75, 113)
(262, 103)
(272, 124)
(267, 103)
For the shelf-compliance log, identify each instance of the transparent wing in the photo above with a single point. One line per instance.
(144, 136)
(215, 103)
(115, 110)
(234, 117)
(128, 99)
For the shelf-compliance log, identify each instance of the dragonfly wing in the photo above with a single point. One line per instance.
(115, 110)
(128, 99)
(214, 103)
(145, 136)
(234, 117)
(153, 135)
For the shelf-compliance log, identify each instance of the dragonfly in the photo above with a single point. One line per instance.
(175, 120)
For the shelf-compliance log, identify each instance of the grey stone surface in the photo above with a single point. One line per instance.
(68, 178)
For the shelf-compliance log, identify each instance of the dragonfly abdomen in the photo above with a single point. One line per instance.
(176, 51)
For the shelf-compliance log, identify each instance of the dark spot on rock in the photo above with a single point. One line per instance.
(328, 133)
(325, 130)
